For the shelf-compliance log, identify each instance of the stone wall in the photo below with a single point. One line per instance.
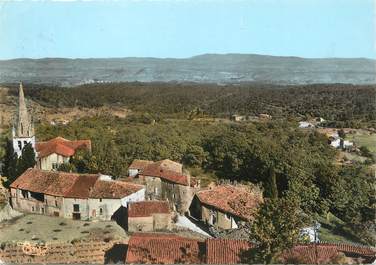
(93, 252)
(150, 223)
(45, 163)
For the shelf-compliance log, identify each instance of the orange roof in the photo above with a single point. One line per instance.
(226, 251)
(162, 249)
(167, 170)
(113, 189)
(61, 146)
(147, 208)
(140, 164)
(72, 185)
(236, 200)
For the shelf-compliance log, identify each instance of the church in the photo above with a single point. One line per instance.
(49, 154)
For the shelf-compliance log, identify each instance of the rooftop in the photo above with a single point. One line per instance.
(153, 248)
(61, 146)
(72, 185)
(140, 164)
(236, 200)
(147, 208)
(226, 251)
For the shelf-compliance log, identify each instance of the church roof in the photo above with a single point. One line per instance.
(23, 127)
(61, 146)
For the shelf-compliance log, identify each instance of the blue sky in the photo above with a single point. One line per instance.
(82, 29)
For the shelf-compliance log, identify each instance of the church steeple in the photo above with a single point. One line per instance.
(23, 129)
(24, 126)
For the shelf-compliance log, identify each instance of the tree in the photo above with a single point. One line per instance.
(27, 159)
(271, 190)
(67, 167)
(276, 228)
(10, 161)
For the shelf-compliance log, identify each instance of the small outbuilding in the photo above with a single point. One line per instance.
(147, 216)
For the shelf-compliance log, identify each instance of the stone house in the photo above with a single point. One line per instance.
(165, 180)
(70, 195)
(137, 166)
(224, 206)
(51, 154)
(147, 216)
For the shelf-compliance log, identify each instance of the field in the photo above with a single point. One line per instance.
(364, 139)
(35, 228)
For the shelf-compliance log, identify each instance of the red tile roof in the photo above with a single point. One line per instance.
(113, 189)
(72, 185)
(226, 251)
(236, 200)
(140, 164)
(162, 249)
(61, 146)
(162, 169)
(147, 208)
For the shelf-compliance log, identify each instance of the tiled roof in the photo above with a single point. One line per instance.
(72, 185)
(140, 164)
(167, 170)
(61, 146)
(226, 251)
(236, 200)
(162, 249)
(113, 189)
(147, 208)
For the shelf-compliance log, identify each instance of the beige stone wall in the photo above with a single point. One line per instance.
(162, 221)
(47, 162)
(50, 206)
(153, 188)
(150, 223)
(140, 224)
(217, 218)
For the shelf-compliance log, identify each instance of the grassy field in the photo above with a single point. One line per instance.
(367, 140)
(36, 228)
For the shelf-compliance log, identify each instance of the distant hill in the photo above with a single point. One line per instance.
(226, 68)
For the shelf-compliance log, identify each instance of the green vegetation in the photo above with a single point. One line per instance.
(367, 141)
(341, 105)
(14, 166)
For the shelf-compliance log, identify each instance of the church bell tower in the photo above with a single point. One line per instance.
(23, 129)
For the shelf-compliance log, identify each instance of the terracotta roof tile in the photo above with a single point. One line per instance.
(61, 146)
(72, 185)
(140, 164)
(113, 189)
(236, 200)
(168, 170)
(162, 249)
(226, 251)
(147, 208)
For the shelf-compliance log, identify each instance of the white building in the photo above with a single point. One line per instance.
(23, 129)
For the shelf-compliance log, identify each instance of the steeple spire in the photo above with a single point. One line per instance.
(24, 127)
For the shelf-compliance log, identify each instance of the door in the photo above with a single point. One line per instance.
(76, 216)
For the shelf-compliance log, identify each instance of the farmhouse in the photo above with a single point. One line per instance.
(137, 166)
(225, 206)
(69, 195)
(51, 154)
(165, 180)
(146, 216)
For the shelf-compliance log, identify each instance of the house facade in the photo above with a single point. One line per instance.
(224, 206)
(164, 180)
(55, 152)
(147, 216)
(75, 196)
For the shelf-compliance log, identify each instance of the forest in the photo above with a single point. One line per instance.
(342, 105)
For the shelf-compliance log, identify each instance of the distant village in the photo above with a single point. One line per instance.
(155, 198)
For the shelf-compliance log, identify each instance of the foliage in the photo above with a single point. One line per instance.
(340, 104)
(276, 228)
(14, 166)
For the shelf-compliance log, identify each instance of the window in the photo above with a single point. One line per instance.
(76, 207)
(100, 211)
(32, 208)
(56, 203)
(155, 190)
(20, 145)
(100, 200)
(173, 195)
(42, 209)
(25, 143)
(55, 166)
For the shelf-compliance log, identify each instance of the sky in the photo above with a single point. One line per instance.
(180, 29)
